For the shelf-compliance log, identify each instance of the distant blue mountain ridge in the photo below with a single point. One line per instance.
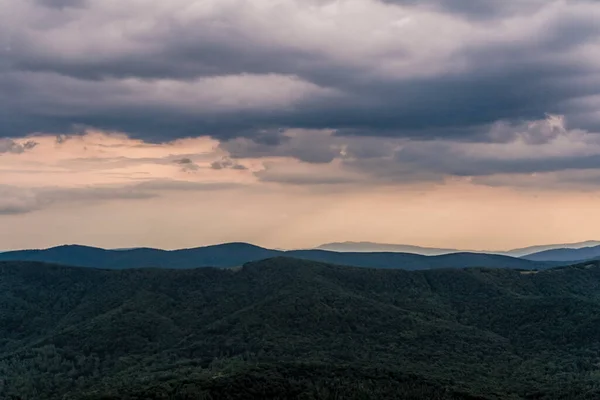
(566, 255)
(370, 247)
(237, 254)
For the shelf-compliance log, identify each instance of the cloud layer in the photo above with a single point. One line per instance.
(233, 68)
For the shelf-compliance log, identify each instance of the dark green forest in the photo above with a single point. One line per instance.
(294, 329)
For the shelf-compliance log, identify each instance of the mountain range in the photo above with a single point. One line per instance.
(237, 254)
(369, 247)
(566, 255)
(295, 329)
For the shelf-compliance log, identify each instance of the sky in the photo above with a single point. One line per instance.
(292, 123)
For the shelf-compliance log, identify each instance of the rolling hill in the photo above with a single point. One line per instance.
(566, 255)
(295, 329)
(236, 254)
(225, 255)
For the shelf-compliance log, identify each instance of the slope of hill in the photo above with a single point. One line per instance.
(236, 254)
(292, 329)
(568, 255)
(370, 247)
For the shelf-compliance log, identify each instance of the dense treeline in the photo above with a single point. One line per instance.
(289, 381)
(291, 329)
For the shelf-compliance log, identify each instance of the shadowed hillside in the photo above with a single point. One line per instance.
(286, 328)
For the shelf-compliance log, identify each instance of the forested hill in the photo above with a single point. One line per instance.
(236, 254)
(292, 329)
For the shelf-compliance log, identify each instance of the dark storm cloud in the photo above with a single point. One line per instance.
(444, 160)
(307, 146)
(509, 61)
(435, 107)
(528, 156)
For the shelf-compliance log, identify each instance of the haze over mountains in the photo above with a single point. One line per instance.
(237, 254)
(584, 253)
(368, 247)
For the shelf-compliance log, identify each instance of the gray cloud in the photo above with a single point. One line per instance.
(187, 165)
(18, 200)
(303, 180)
(62, 3)
(535, 148)
(580, 180)
(490, 74)
(227, 163)
(309, 146)
(444, 161)
(314, 175)
(15, 200)
(60, 139)
(404, 104)
(10, 146)
(185, 186)
(484, 9)
(108, 163)
(531, 147)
